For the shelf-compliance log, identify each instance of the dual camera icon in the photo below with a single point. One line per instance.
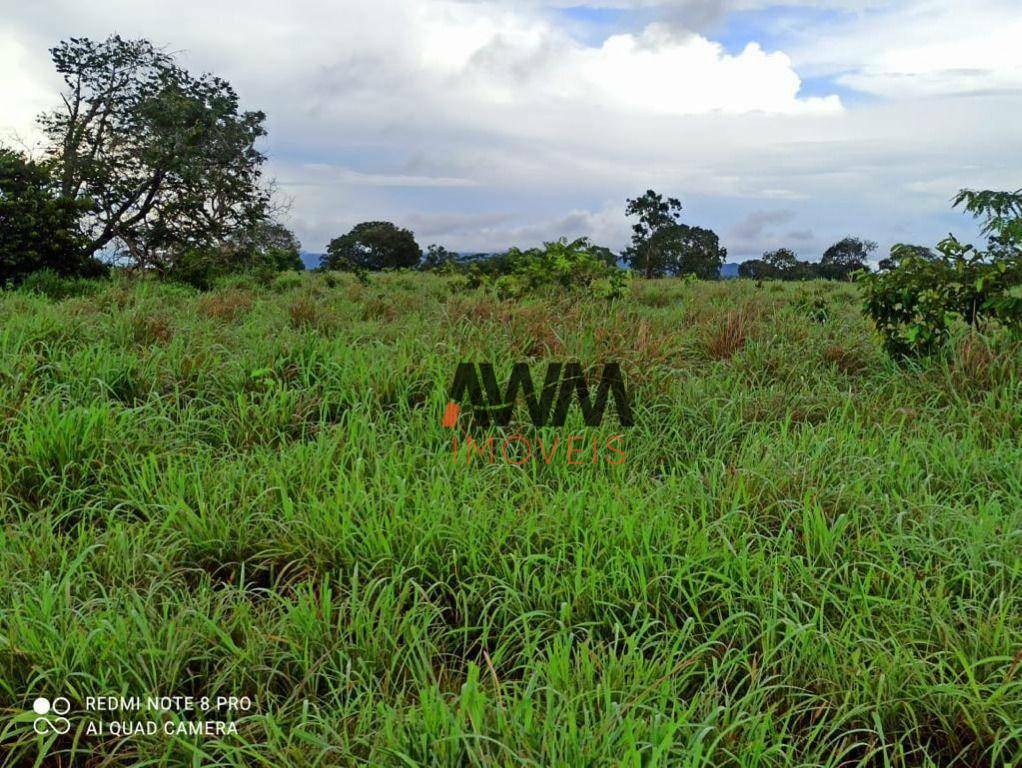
(51, 715)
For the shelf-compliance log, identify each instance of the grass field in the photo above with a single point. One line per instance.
(810, 556)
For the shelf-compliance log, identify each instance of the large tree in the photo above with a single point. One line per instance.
(846, 256)
(662, 245)
(903, 251)
(688, 250)
(372, 245)
(38, 230)
(647, 253)
(165, 160)
(784, 260)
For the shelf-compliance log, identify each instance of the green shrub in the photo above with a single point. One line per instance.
(286, 281)
(262, 251)
(560, 265)
(918, 294)
(197, 267)
(915, 303)
(48, 283)
(38, 230)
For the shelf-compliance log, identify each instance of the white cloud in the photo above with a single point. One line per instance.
(323, 175)
(657, 71)
(460, 55)
(488, 124)
(921, 48)
(25, 91)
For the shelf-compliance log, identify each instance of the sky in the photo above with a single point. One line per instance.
(485, 125)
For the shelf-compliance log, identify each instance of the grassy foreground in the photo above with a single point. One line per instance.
(810, 556)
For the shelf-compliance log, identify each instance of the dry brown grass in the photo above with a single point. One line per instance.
(724, 340)
(539, 331)
(476, 309)
(975, 363)
(228, 305)
(644, 344)
(305, 312)
(149, 329)
(380, 307)
(848, 360)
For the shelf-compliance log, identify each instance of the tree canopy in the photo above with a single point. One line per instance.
(689, 250)
(162, 161)
(662, 245)
(372, 245)
(848, 255)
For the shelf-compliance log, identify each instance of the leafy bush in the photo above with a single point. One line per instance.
(198, 267)
(576, 266)
(38, 230)
(286, 281)
(262, 252)
(48, 283)
(915, 303)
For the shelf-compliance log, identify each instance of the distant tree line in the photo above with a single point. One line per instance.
(839, 262)
(661, 246)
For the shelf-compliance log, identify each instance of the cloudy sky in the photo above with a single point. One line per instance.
(482, 125)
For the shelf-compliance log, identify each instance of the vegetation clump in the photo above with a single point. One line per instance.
(847, 258)
(38, 228)
(372, 246)
(919, 295)
(576, 266)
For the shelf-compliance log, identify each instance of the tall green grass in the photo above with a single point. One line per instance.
(812, 556)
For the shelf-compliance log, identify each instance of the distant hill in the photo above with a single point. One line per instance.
(311, 260)
(729, 270)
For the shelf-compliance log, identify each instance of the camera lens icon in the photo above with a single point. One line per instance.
(44, 707)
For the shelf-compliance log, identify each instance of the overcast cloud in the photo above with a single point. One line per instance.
(482, 125)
